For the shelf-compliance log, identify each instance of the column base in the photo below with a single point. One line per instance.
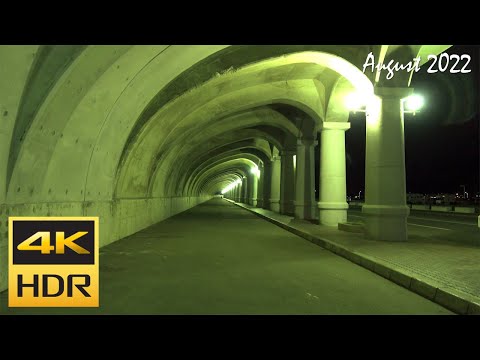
(274, 205)
(287, 208)
(260, 203)
(305, 211)
(386, 222)
(332, 213)
(252, 202)
(479, 221)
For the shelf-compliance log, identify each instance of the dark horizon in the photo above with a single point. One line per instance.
(441, 141)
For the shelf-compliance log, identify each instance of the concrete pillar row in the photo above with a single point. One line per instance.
(244, 195)
(332, 203)
(237, 193)
(305, 180)
(274, 202)
(287, 183)
(252, 189)
(267, 183)
(260, 189)
(385, 206)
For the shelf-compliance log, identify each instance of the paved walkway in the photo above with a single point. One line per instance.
(218, 258)
(442, 271)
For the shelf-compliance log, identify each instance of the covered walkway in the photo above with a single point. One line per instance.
(217, 258)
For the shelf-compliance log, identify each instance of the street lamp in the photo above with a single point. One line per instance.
(413, 103)
(356, 101)
(255, 171)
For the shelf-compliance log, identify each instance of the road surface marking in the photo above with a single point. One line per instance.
(432, 227)
(428, 219)
(445, 221)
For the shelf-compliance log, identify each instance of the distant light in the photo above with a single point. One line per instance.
(414, 102)
(255, 171)
(231, 186)
(355, 101)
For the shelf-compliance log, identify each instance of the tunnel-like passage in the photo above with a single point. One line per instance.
(138, 134)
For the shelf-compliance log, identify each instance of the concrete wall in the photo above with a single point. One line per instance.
(118, 218)
(464, 209)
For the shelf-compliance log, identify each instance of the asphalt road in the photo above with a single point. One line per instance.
(220, 259)
(456, 228)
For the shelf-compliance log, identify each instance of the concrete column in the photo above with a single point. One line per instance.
(267, 183)
(260, 186)
(385, 206)
(305, 180)
(252, 189)
(275, 184)
(244, 193)
(332, 203)
(287, 183)
(237, 193)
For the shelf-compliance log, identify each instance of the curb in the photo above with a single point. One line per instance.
(451, 299)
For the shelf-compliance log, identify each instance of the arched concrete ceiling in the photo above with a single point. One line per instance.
(255, 146)
(89, 109)
(90, 113)
(229, 166)
(223, 145)
(191, 144)
(254, 155)
(196, 111)
(220, 182)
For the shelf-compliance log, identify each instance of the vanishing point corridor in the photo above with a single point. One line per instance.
(236, 179)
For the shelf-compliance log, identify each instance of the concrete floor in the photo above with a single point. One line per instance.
(220, 259)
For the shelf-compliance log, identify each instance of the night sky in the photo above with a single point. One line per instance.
(441, 142)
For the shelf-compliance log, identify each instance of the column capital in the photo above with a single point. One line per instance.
(306, 142)
(333, 125)
(286, 152)
(393, 92)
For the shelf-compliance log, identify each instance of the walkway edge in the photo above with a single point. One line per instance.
(450, 298)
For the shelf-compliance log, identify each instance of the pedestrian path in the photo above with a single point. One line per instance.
(442, 271)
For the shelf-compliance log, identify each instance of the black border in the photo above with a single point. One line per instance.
(243, 23)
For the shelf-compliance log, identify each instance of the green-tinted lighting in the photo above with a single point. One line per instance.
(255, 171)
(354, 101)
(414, 102)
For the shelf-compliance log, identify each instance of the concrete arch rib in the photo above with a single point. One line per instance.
(247, 137)
(12, 86)
(195, 166)
(249, 154)
(220, 181)
(82, 114)
(182, 118)
(179, 124)
(276, 128)
(243, 164)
